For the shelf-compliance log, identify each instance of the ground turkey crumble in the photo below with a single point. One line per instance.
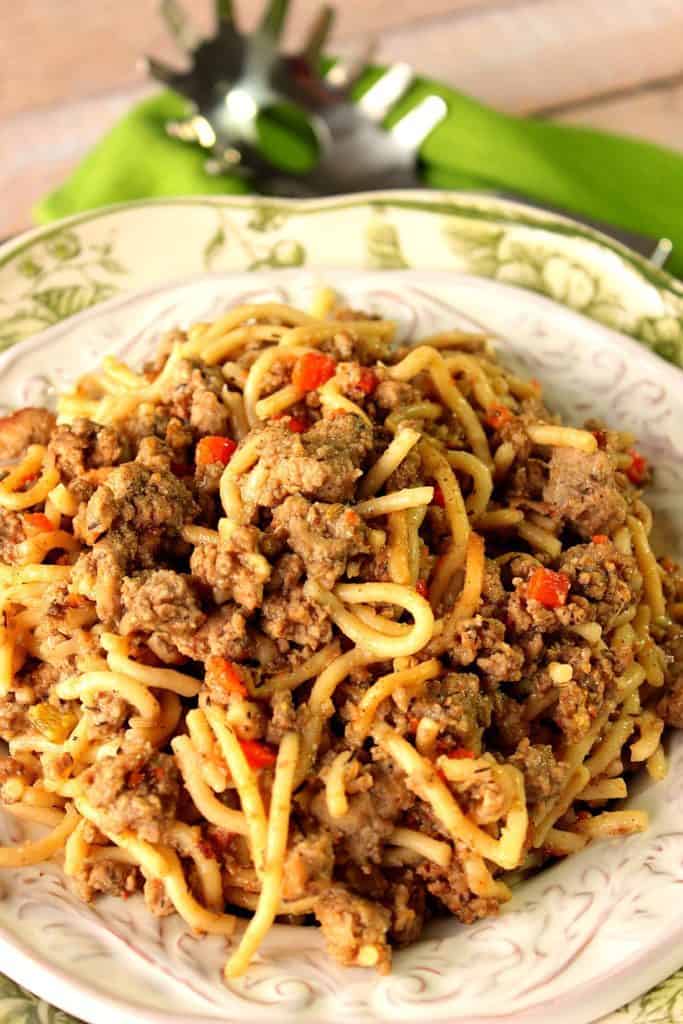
(226, 600)
(324, 463)
(137, 790)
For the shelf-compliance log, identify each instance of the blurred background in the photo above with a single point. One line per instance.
(70, 68)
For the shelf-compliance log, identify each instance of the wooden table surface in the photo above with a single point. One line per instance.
(70, 68)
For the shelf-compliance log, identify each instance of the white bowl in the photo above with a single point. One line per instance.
(578, 940)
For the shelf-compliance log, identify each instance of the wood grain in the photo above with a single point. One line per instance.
(87, 47)
(517, 54)
(71, 67)
(653, 112)
(41, 147)
(537, 55)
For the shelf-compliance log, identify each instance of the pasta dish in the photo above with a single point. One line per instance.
(302, 624)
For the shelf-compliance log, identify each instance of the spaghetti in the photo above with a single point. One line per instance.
(292, 616)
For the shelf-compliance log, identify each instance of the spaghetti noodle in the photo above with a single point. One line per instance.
(291, 616)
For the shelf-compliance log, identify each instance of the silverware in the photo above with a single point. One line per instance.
(233, 77)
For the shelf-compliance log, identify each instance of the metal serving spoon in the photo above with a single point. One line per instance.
(233, 77)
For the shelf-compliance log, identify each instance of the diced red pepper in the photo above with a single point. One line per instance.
(312, 370)
(222, 674)
(637, 471)
(215, 449)
(497, 416)
(367, 381)
(297, 424)
(548, 587)
(258, 755)
(38, 522)
(438, 498)
(421, 587)
(600, 538)
(460, 753)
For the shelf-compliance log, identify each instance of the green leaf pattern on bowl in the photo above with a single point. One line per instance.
(18, 1006)
(64, 271)
(57, 273)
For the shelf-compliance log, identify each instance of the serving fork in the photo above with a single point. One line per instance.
(233, 77)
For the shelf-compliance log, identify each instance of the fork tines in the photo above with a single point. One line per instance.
(233, 77)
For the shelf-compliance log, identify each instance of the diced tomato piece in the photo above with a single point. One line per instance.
(460, 753)
(438, 498)
(497, 416)
(367, 381)
(38, 522)
(222, 674)
(312, 370)
(548, 587)
(421, 587)
(215, 449)
(600, 538)
(258, 755)
(297, 424)
(601, 437)
(637, 471)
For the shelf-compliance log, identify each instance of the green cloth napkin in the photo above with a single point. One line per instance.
(624, 182)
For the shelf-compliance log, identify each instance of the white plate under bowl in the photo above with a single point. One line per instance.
(577, 941)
